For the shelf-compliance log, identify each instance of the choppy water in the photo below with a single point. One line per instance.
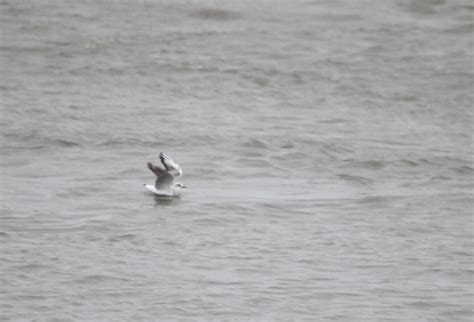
(326, 146)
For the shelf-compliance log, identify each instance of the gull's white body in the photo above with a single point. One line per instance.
(163, 193)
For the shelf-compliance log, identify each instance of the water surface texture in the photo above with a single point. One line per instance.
(326, 147)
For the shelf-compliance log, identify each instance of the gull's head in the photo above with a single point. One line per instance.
(179, 185)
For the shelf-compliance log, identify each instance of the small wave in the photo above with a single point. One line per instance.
(253, 154)
(378, 200)
(333, 150)
(255, 143)
(355, 179)
(215, 14)
(463, 169)
(115, 71)
(423, 7)
(257, 80)
(439, 178)
(208, 138)
(122, 237)
(37, 139)
(207, 222)
(229, 207)
(129, 171)
(334, 121)
(367, 164)
(255, 163)
(96, 278)
(340, 17)
(404, 163)
(30, 267)
(207, 173)
(66, 143)
(291, 156)
(273, 206)
(462, 28)
(4, 234)
(288, 145)
(129, 142)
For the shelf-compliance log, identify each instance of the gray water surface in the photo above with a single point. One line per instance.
(326, 146)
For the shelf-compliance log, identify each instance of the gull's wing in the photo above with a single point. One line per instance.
(155, 169)
(164, 181)
(172, 167)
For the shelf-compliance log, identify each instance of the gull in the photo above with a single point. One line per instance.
(165, 184)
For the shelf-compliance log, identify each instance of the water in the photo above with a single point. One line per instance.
(326, 146)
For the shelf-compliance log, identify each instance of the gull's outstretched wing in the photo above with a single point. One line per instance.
(164, 181)
(172, 167)
(155, 169)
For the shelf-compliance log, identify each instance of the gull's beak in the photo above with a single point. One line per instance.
(183, 186)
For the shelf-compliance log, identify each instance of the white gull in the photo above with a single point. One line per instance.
(165, 184)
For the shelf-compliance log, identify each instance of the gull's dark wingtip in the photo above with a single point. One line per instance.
(162, 159)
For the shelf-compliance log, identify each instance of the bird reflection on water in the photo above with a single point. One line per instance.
(165, 201)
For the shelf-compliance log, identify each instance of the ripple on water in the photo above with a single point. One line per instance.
(356, 179)
(366, 164)
(255, 144)
(100, 278)
(124, 237)
(215, 14)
